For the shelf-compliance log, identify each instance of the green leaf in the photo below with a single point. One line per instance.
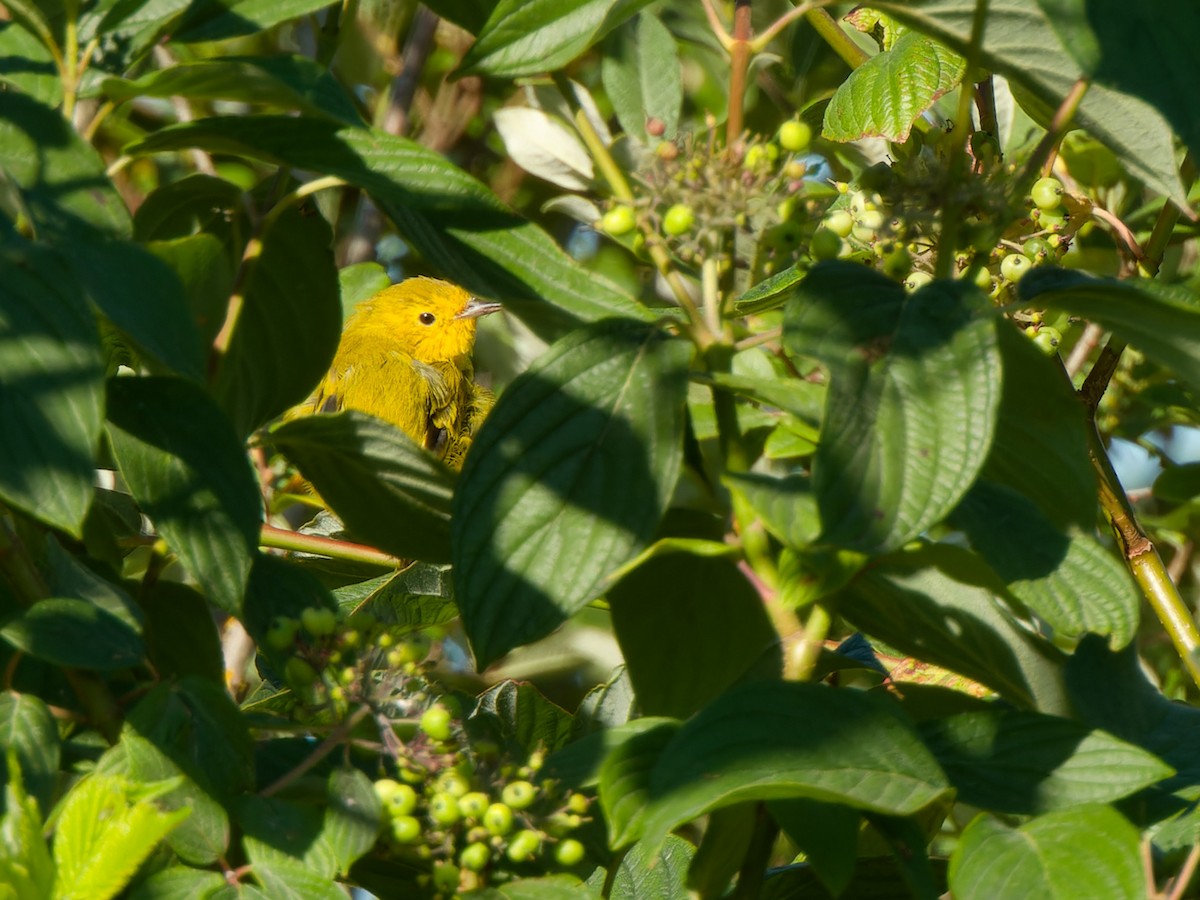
(353, 816)
(633, 753)
(1091, 851)
(285, 833)
(102, 836)
(125, 32)
(203, 837)
(529, 37)
(181, 636)
(720, 630)
(451, 219)
(888, 93)
(1161, 320)
(1144, 51)
(521, 714)
(938, 604)
(291, 82)
(1069, 579)
(54, 392)
(75, 633)
(27, 65)
(196, 724)
(1025, 763)
(28, 732)
(912, 403)
(59, 177)
(193, 204)
(642, 76)
(787, 505)
(566, 481)
(216, 20)
(1041, 418)
(25, 867)
(143, 298)
(1021, 44)
(722, 852)
(419, 595)
(662, 875)
(756, 743)
(283, 879)
(606, 705)
(287, 331)
(827, 835)
(359, 282)
(68, 576)
(179, 883)
(185, 465)
(1178, 484)
(389, 492)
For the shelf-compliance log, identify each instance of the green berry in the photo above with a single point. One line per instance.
(385, 789)
(897, 264)
(917, 280)
(756, 156)
(1014, 266)
(498, 819)
(476, 856)
(784, 237)
(1046, 193)
(795, 135)
(618, 221)
(443, 808)
(679, 220)
(282, 633)
(524, 846)
(578, 804)
(825, 244)
(569, 852)
(1047, 340)
(406, 829)
(299, 673)
(319, 621)
(840, 222)
(1038, 249)
(983, 279)
(454, 783)
(519, 794)
(435, 722)
(445, 877)
(473, 804)
(871, 219)
(401, 801)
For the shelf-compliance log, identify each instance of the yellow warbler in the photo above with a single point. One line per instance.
(405, 356)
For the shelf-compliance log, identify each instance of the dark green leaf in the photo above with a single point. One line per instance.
(291, 82)
(522, 714)
(67, 576)
(606, 705)
(1161, 320)
(460, 226)
(75, 633)
(641, 73)
(826, 833)
(938, 604)
(143, 298)
(912, 404)
(787, 505)
(352, 817)
(181, 636)
(52, 402)
(279, 588)
(662, 876)
(28, 730)
(888, 93)
(1026, 763)
(1068, 579)
(60, 178)
(283, 832)
(723, 848)
(529, 37)
(288, 327)
(1020, 43)
(388, 491)
(1145, 51)
(758, 743)
(215, 20)
(179, 883)
(720, 631)
(1090, 851)
(195, 203)
(202, 262)
(633, 753)
(467, 14)
(566, 481)
(1178, 484)
(185, 465)
(27, 65)
(1042, 419)
(419, 595)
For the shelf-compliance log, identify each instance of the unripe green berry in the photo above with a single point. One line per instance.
(454, 783)
(473, 804)
(917, 280)
(569, 852)
(897, 264)
(795, 135)
(825, 244)
(443, 808)
(1014, 266)
(871, 218)
(475, 857)
(401, 800)
(319, 621)
(299, 673)
(445, 877)
(1046, 193)
(435, 722)
(578, 804)
(406, 829)
(524, 846)
(282, 633)
(519, 794)
(618, 221)
(678, 220)
(1048, 339)
(756, 156)
(498, 819)
(840, 222)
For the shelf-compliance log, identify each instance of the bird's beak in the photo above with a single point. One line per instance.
(476, 308)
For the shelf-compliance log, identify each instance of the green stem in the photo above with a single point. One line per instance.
(802, 660)
(1164, 225)
(282, 539)
(758, 855)
(739, 66)
(842, 44)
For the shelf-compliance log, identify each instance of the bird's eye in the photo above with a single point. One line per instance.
(427, 318)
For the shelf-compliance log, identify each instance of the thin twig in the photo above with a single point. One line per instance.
(1083, 348)
(1180, 882)
(1124, 232)
(318, 753)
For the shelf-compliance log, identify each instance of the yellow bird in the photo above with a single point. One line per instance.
(405, 356)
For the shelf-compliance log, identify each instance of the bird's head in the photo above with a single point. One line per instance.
(433, 320)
